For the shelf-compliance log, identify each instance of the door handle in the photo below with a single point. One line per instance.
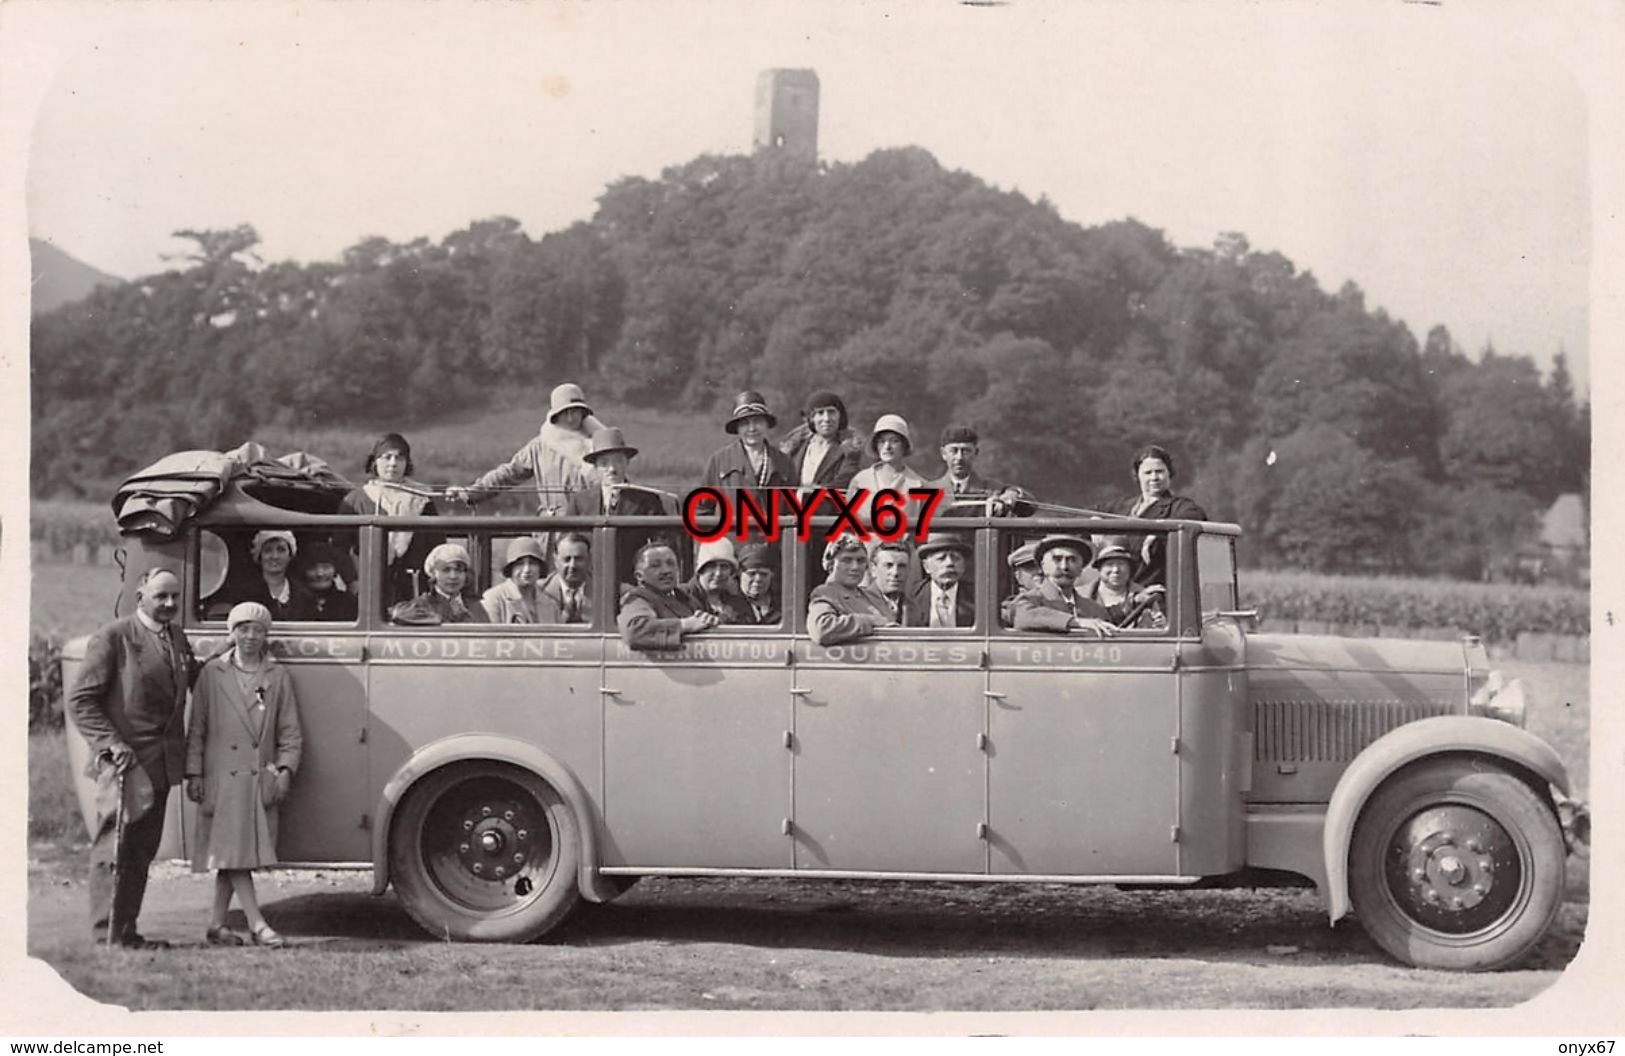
(991, 695)
(800, 691)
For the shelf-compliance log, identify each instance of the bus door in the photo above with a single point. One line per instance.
(1083, 767)
(696, 764)
(889, 767)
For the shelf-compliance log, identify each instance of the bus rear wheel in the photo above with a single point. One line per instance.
(485, 852)
(1458, 865)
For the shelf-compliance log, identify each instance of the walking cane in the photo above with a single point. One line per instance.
(118, 858)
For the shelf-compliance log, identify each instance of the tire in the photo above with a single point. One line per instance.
(485, 852)
(1456, 864)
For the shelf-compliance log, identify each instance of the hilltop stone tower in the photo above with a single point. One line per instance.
(787, 114)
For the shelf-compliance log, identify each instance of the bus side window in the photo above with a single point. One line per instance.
(630, 541)
(303, 575)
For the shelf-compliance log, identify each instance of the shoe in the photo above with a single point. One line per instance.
(224, 936)
(133, 941)
(265, 935)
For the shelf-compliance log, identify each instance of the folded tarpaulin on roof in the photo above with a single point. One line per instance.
(160, 499)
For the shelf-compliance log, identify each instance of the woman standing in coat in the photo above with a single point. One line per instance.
(242, 749)
(1154, 472)
(890, 442)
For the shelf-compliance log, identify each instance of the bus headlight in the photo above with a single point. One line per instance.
(1500, 698)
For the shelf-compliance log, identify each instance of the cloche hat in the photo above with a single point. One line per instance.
(749, 404)
(564, 398)
(892, 423)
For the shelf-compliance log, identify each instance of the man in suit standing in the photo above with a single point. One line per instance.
(656, 614)
(944, 599)
(566, 596)
(1058, 606)
(611, 459)
(966, 489)
(129, 703)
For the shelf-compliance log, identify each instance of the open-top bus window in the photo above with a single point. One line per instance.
(1136, 606)
(629, 540)
(299, 574)
(1216, 569)
(901, 575)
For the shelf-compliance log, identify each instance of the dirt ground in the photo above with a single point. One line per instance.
(771, 944)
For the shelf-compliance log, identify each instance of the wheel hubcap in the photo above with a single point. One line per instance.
(1453, 868)
(488, 845)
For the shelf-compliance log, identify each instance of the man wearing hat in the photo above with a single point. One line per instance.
(966, 492)
(518, 598)
(749, 462)
(611, 458)
(552, 459)
(822, 449)
(1024, 568)
(657, 614)
(943, 599)
(1057, 605)
(129, 702)
(757, 564)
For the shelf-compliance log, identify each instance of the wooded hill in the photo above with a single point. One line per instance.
(902, 285)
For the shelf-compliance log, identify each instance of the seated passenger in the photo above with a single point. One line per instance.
(967, 493)
(1023, 562)
(445, 602)
(518, 599)
(611, 457)
(715, 586)
(943, 599)
(657, 614)
(890, 442)
(1057, 605)
(273, 552)
(1115, 592)
(888, 574)
(842, 609)
(324, 599)
(757, 564)
(567, 594)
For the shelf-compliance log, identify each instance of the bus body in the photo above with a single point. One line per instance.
(497, 774)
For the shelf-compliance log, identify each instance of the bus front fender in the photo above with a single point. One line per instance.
(1442, 735)
(486, 747)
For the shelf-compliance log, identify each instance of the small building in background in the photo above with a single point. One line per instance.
(787, 114)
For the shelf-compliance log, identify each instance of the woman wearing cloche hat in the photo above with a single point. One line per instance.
(749, 462)
(890, 441)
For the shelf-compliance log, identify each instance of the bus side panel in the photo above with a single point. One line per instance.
(1215, 767)
(1082, 773)
(696, 769)
(428, 686)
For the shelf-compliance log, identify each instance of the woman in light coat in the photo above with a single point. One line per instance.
(890, 442)
(242, 749)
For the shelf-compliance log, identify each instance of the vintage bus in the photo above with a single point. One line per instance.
(498, 775)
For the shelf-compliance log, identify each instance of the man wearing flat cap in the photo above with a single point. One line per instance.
(1024, 570)
(1057, 606)
(966, 492)
(944, 599)
(611, 459)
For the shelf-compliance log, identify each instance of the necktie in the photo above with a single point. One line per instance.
(572, 606)
(1072, 604)
(945, 612)
(171, 654)
(897, 607)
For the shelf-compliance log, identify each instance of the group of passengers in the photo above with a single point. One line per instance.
(580, 466)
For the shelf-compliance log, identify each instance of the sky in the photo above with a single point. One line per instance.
(1439, 160)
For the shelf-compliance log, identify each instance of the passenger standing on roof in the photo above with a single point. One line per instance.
(273, 552)
(551, 460)
(749, 462)
(966, 493)
(1154, 471)
(890, 442)
(657, 614)
(822, 450)
(390, 492)
(611, 458)
(842, 609)
(1057, 605)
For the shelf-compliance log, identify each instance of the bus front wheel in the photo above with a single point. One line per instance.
(485, 852)
(1456, 864)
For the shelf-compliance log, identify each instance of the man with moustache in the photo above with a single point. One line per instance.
(1058, 606)
(129, 703)
(943, 599)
